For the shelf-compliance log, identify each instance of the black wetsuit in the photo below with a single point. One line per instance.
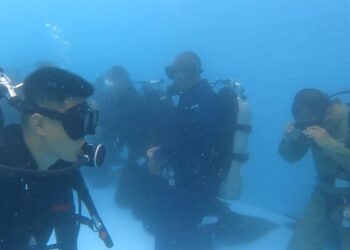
(121, 123)
(31, 207)
(182, 198)
(142, 120)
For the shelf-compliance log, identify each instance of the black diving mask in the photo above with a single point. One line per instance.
(78, 121)
(304, 125)
(170, 71)
(309, 108)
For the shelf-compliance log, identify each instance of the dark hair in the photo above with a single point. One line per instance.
(118, 72)
(189, 61)
(55, 85)
(309, 106)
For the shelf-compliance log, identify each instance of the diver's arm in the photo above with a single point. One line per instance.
(339, 152)
(330, 146)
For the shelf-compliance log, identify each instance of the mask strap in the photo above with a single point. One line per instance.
(30, 107)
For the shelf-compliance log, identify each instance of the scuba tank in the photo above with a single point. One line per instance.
(231, 184)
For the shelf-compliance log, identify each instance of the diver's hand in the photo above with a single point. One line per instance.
(320, 136)
(289, 133)
(155, 161)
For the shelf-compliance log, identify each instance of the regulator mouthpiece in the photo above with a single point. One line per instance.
(93, 154)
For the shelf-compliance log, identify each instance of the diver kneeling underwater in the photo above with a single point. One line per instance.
(40, 160)
(321, 124)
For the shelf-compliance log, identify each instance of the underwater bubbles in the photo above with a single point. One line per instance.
(60, 44)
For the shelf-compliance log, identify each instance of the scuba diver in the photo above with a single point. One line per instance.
(131, 120)
(189, 169)
(120, 107)
(120, 123)
(134, 120)
(40, 160)
(321, 125)
(184, 183)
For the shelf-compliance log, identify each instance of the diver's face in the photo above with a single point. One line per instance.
(183, 80)
(305, 118)
(54, 137)
(116, 86)
(180, 80)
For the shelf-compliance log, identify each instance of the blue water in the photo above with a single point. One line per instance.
(274, 47)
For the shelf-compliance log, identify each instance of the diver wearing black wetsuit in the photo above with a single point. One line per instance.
(184, 181)
(32, 206)
(36, 198)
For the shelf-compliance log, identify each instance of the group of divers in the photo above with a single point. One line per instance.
(175, 155)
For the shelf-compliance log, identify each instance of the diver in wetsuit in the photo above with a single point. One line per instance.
(50, 137)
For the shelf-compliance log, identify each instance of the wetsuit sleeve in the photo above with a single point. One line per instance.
(292, 151)
(339, 152)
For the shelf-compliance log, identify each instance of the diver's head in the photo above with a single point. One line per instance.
(45, 63)
(309, 108)
(56, 115)
(313, 107)
(117, 80)
(185, 71)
